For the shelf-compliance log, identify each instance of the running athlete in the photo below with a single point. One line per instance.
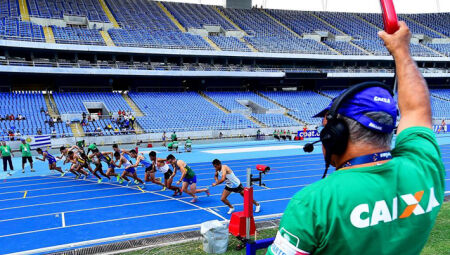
(149, 168)
(232, 184)
(188, 178)
(107, 158)
(91, 147)
(75, 165)
(160, 165)
(129, 170)
(85, 161)
(51, 160)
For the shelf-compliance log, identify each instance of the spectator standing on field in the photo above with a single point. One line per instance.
(26, 154)
(6, 153)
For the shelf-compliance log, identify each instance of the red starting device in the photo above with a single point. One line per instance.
(242, 224)
(390, 19)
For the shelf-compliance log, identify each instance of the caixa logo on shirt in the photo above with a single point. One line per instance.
(362, 217)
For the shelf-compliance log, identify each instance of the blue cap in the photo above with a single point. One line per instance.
(373, 99)
(22, 139)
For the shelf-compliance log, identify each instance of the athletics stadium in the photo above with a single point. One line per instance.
(93, 85)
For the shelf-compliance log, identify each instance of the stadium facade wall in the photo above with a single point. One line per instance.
(197, 53)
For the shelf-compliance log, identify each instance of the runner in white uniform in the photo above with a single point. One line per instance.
(159, 164)
(129, 169)
(232, 184)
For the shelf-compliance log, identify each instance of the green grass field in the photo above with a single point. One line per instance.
(438, 243)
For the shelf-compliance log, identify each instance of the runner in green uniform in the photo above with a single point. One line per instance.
(91, 147)
(26, 154)
(188, 177)
(371, 206)
(6, 153)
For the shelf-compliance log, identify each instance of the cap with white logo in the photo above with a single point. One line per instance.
(373, 99)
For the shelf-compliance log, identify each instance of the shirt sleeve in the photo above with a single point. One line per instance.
(297, 232)
(419, 145)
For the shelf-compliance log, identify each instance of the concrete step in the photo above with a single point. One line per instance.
(49, 36)
(213, 44)
(107, 38)
(51, 105)
(286, 110)
(23, 6)
(77, 130)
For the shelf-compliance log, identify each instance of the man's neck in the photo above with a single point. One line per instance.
(355, 151)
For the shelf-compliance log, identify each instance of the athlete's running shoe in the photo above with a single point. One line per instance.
(23, 170)
(84, 177)
(258, 208)
(99, 181)
(164, 188)
(32, 170)
(9, 174)
(194, 200)
(62, 174)
(159, 179)
(136, 182)
(77, 177)
(231, 210)
(118, 178)
(120, 181)
(128, 183)
(207, 191)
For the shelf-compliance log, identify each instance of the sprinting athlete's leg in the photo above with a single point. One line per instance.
(53, 166)
(223, 198)
(168, 180)
(258, 205)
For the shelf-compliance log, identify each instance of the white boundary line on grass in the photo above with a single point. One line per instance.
(128, 236)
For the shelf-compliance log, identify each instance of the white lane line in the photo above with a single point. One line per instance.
(34, 184)
(135, 217)
(254, 149)
(57, 187)
(63, 193)
(63, 219)
(138, 203)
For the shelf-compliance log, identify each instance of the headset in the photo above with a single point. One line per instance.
(334, 136)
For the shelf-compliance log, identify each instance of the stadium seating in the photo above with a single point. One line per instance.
(441, 47)
(196, 16)
(14, 29)
(72, 35)
(275, 120)
(90, 129)
(160, 39)
(302, 22)
(56, 9)
(436, 21)
(29, 105)
(229, 43)
(228, 100)
(183, 111)
(302, 104)
(345, 48)
(73, 102)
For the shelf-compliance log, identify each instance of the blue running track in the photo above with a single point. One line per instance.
(58, 213)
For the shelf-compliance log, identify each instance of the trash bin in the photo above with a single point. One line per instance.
(215, 237)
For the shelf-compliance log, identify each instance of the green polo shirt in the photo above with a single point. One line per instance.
(6, 150)
(25, 149)
(382, 209)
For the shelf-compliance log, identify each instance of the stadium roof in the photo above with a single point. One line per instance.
(402, 6)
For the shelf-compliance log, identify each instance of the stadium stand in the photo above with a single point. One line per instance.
(301, 104)
(187, 110)
(197, 16)
(29, 105)
(57, 9)
(275, 120)
(229, 100)
(437, 21)
(267, 35)
(72, 102)
(229, 43)
(345, 48)
(14, 29)
(70, 35)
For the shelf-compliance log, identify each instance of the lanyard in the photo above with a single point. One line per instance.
(380, 156)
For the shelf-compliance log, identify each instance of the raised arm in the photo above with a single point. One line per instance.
(413, 94)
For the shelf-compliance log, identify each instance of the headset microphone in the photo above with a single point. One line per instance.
(309, 147)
